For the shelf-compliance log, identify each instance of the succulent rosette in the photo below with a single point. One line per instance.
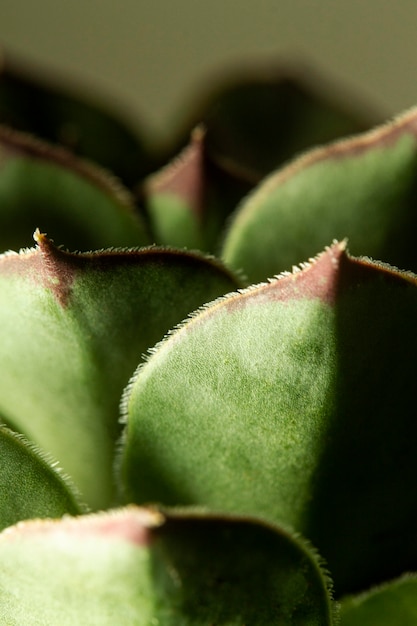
(208, 379)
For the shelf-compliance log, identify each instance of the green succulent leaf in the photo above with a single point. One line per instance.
(45, 186)
(29, 485)
(390, 604)
(32, 104)
(136, 566)
(293, 400)
(73, 328)
(363, 188)
(175, 198)
(189, 200)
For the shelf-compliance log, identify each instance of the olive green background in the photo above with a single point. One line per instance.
(150, 55)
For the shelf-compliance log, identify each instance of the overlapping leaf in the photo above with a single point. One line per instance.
(142, 567)
(294, 400)
(189, 200)
(73, 329)
(389, 605)
(48, 187)
(29, 486)
(363, 188)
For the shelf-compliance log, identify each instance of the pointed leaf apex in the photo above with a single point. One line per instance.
(333, 272)
(47, 246)
(41, 238)
(185, 176)
(57, 267)
(318, 278)
(335, 252)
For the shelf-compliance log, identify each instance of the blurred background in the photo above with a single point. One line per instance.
(149, 57)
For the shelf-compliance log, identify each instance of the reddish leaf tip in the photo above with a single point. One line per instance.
(185, 176)
(57, 267)
(332, 272)
(316, 279)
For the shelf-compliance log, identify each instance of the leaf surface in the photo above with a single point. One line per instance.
(48, 187)
(140, 567)
(175, 198)
(189, 200)
(73, 329)
(29, 486)
(294, 401)
(389, 605)
(361, 188)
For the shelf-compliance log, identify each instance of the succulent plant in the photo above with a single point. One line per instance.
(207, 404)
